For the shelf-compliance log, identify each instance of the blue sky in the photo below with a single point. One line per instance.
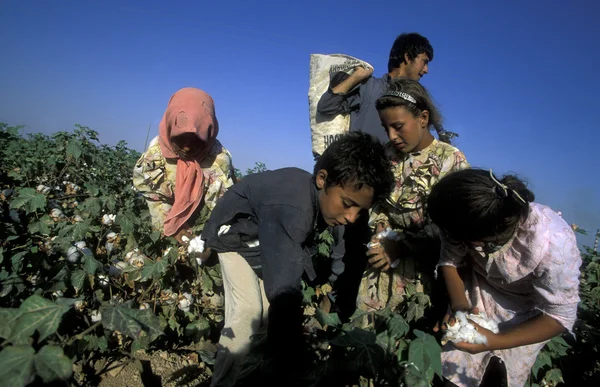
(517, 80)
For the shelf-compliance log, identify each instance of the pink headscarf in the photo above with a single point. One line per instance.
(190, 110)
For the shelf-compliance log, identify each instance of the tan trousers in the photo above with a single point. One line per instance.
(246, 311)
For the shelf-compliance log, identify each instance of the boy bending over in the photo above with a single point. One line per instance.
(265, 232)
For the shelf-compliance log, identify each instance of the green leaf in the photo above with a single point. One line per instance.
(17, 261)
(131, 322)
(8, 318)
(16, 365)
(368, 353)
(37, 314)
(80, 230)
(154, 236)
(426, 354)
(93, 206)
(125, 223)
(199, 327)
(355, 338)
(154, 269)
(78, 280)
(52, 364)
(397, 326)
(140, 343)
(30, 200)
(329, 319)
(90, 264)
(543, 359)
(42, 226)
(92, 189)
(558, 347)
(74, 149)
(308, 292)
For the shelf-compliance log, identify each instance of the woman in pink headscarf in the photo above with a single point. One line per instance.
(185, 169)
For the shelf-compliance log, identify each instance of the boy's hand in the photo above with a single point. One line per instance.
(361, 73)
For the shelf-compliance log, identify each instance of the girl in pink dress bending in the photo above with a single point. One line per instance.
(507, 256)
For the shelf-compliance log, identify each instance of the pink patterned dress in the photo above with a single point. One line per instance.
(537, 271)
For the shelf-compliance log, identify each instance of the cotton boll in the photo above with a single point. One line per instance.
(77, 218)
(137, 260)
(103, 280)
(57, 214)
(108, 219)
(73, 254)
(185, 301)
(96, 316)
(116, 269)
(196, 245)
(167, 297)
(82, 247)
(464, 331)
(42, 189)
(390, 234)
(144, 306)
(79, 305)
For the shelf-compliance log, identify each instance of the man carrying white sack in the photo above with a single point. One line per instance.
(356, 94)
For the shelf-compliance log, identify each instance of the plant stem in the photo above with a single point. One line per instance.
(80, 335)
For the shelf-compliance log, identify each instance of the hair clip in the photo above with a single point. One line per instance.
(400, 94)
(504, 189)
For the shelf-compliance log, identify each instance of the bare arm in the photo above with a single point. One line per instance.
(456, 289)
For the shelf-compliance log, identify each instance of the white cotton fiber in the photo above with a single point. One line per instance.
(464, 331)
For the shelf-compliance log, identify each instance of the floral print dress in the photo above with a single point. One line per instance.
(415, 174)
(154, 177)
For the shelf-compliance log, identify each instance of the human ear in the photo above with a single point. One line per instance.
(406, 58)
(321, 179)
(424, 119)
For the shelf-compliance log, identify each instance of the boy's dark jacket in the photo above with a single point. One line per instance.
(280, 208)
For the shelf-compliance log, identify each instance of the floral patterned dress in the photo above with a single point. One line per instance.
(154, 177)
(537, 271)
(415, 174)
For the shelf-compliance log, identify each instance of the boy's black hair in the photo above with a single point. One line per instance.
(469, 206)
(412, 44)
(359, 159)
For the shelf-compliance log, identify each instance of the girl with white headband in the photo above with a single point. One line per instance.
(515, 260)
(419, 160)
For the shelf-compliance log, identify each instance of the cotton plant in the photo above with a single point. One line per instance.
(464, 331)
